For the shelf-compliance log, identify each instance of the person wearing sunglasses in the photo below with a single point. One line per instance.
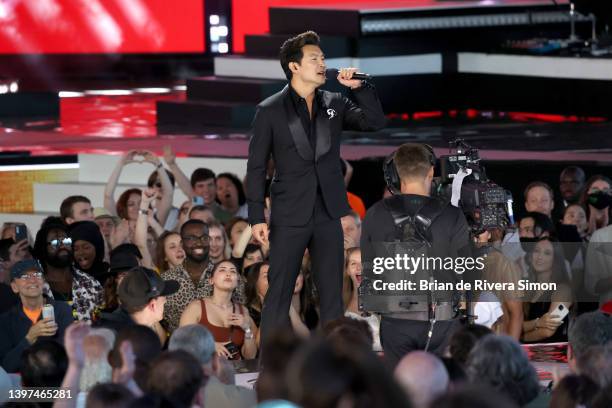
(24, 324)
(54, 249)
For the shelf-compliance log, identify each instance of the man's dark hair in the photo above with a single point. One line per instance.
(109, 395)
(501, 363)
(573, 391)
(177, 376)
(349, 331)
(463, 341)
(66, 206)
(412, 160)
(154, 177)
(338, 372)
(40, 242)
(146, 347)
(541, 223)
(589, 329)
(201, 174)
(291, 50)
(43, 364)
(193, 222)
(276, 352)
(252, 248)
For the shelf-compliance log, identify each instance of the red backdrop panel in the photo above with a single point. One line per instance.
(101, 26)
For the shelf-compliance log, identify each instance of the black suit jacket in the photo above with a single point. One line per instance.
(278, 131)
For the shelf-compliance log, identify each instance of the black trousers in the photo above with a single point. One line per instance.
(324, 239)
(399, 337)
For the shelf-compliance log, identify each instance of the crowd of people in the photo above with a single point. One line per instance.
(139, 303)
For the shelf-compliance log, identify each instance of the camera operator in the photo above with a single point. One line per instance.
(405, 331)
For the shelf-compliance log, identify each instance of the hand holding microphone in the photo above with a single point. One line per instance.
(348, 76)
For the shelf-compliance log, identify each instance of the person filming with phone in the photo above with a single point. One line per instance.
(546, 314)
(33, 318)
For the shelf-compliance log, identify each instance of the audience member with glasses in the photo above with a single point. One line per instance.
(27, 322)
(192, 274)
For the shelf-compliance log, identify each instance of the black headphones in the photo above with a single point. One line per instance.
(392, 178)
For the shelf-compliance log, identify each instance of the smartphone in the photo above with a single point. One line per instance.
(233, 350)
(48, 312)
(21, 232)
(560, 312)
(197, 200)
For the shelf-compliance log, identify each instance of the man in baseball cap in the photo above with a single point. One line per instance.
(24, 324)
(142, 295)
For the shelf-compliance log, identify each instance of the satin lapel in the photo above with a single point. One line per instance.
(300, 138)
(323, 125)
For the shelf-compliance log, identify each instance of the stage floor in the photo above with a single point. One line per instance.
(112, 124)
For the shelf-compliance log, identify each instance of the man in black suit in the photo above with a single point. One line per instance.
(300, 127)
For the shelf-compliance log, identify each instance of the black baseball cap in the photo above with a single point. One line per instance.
(26, 265)
(141, 285)
(122, 262)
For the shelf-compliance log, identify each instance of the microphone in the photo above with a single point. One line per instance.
(333, 72)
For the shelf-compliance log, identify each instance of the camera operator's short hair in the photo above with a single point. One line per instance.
(412, 160)
(535, 184)
(291, 50)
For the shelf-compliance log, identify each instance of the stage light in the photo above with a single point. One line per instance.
(4, 89)
(218, 30)
(180, 88)
(214, 37)
(109, 92)
(13, 87)
(70, 94)
(153, 90)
